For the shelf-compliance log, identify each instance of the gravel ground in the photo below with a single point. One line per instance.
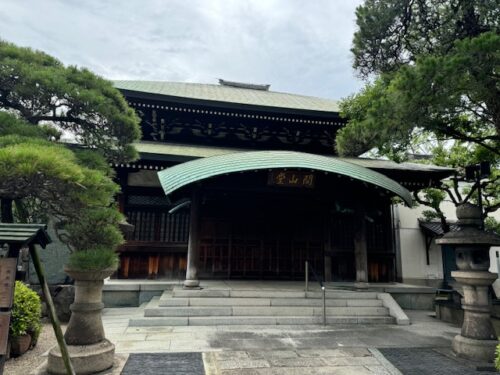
(32, 358)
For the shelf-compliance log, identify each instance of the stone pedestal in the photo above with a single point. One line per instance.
(89, 350)
(477, 340)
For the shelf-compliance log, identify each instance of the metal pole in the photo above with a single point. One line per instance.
(52, 311)
(497, 253)
(479, 196)
(307, 276)
(324, 305)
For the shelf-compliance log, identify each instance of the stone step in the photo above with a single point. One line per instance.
(334, 294)
(269, 293)
(179, 292)
(168, 301)
(257, 320)
(329, 302)
(207, 311)
(214, 301)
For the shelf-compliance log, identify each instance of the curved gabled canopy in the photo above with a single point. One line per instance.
(180, 175)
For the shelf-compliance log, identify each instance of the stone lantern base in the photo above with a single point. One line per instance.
(86, 359)
(477, 341)
(476, 350)
(89, 350)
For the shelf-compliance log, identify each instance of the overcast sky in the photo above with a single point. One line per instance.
(297, 46)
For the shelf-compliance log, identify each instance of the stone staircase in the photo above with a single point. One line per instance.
(207, 307)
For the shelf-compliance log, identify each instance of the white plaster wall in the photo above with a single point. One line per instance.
(413, 255)
(412, 243)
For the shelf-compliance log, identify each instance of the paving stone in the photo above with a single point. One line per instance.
(344, 352)
(234, 364)
(376, 320)
(189, 345)
(297, 362)
(235, 320)
(142, 346)
(167, 321)
(378, 370)
(231, 355)
(283, 371)
(341, 319)
(165, 364)
(131, 330)
(351, 361)
(131, 336)
(346, 370)
(353, 311)
(266, 354)
(298, 320)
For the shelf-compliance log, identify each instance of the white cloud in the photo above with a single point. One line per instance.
(294, 45)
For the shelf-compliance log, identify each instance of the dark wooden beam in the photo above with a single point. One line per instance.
(361, 247)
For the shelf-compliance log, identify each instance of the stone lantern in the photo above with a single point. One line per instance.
(477, 340)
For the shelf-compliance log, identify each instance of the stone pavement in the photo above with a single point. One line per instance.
(261, 350)
(418, 361)
(358, 361)
(423, 332)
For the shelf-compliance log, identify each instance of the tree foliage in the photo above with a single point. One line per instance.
(41, 100)
(49, 180)
(435, 89)
(41, 90)
(456, 96)
(393, 33)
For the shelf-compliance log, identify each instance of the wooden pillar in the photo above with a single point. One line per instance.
(193, 242)
(6, 210)
(122, 180)
(361, 249)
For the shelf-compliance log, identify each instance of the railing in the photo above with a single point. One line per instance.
(320, 281)
(158, 225)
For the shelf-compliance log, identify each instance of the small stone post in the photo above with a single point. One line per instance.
(477, 340)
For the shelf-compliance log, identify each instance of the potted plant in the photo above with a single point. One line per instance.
(25, 323)
(93, 238)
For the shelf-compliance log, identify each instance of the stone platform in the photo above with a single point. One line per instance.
(132, 293)
(268, 303)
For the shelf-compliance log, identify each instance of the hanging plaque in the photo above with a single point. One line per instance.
(7, 280)
(291, 178)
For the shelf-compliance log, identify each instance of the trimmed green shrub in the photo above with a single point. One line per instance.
(497, 358)
(26, 312)
(93, 260)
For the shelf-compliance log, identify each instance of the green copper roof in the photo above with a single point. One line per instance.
(229, 94)
(180, 175)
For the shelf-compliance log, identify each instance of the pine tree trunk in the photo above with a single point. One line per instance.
(6, 210)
